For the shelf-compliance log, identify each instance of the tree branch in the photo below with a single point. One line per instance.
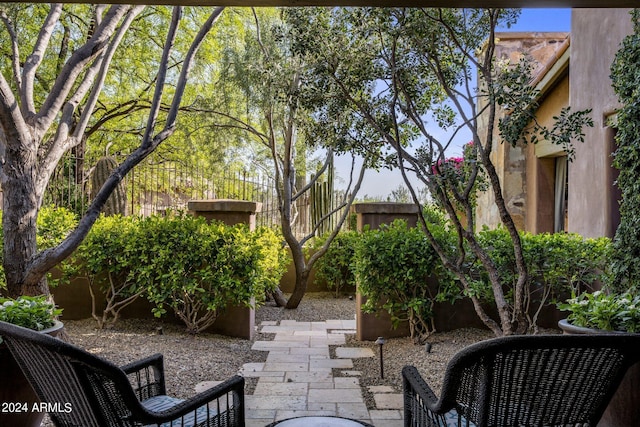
(162, 73)
(97, 86)
(188, 63)
(12, 122)
(63, 141)
(315, 178)
(35, 59)
(15, 50)
(66, 80)
(47, 259)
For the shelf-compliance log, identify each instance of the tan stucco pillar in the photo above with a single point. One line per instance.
(371, 326)
(377, 213)
(231, 212)
(235, 321)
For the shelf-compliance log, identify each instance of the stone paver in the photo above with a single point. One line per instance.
(297, 377)
(309, 377)
(356, 411)
(347, 382)
(380, 389)
(206, 385)
(378, 414)
(335, 396)
(353, 352)
(276, 403)
(281, 389)
(388, 400)
(287, 357)
(329, 364)
(287, 367)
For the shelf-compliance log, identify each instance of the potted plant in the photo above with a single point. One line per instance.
(609, 312)
(601, 312)
(35, 313)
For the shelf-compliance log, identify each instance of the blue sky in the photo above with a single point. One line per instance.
(380, 184)
(543, 20)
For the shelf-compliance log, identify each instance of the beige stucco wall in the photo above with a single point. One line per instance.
(540, 163)
(550, 106)
(511, 162)
(596, 36)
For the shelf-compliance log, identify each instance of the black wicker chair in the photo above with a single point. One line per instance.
(550, 380)
(98, 393)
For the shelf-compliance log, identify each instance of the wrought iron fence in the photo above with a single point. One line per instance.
(155, 187)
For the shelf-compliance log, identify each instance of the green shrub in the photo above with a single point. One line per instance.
(179, 263)
(273, 260)
(393, 267)
(440, 227)
(559, 264)
(54, 225)
(107, 257)
(335, 267)
(197, 269)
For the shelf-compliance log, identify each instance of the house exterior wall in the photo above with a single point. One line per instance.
(596, 36)
(527, 174)
(511, 162)
(540, 164)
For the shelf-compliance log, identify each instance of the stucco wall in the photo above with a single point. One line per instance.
(595, 37)
(540, 163)
(511, 162)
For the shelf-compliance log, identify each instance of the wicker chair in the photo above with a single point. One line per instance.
(551, 380)
(98, 393)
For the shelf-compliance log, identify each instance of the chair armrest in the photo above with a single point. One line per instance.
(413, 381)
(137, 365)
(224, 401)
(146, 376)
(421, 406)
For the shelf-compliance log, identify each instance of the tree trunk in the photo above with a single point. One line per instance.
(279, 297)
(302, 279)
(25, 177)
(20, 210)
(511, 316)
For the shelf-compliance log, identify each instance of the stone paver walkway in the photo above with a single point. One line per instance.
(297, 380)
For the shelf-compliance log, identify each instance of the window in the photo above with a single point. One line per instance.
(561, 195)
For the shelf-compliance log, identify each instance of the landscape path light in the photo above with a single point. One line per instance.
(380, 341)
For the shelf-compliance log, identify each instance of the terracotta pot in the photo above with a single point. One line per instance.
(623, 410)
(16, 395)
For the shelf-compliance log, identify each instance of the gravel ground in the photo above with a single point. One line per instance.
(193, 359)
(399, 352)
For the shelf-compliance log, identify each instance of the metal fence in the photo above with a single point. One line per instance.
(156, 187)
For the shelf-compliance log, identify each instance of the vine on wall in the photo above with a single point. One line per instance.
(625, 75)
